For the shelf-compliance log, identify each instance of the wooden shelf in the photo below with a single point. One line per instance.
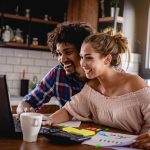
(35, 24)
(11, 16)
(13, 44)
(23, 18)
(37, 20)
(110, 19)
(32, 20)
(44, 47)
(23, 46)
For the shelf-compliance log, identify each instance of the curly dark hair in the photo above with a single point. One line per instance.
(68, 32)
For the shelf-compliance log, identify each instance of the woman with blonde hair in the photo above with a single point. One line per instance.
(111, 98)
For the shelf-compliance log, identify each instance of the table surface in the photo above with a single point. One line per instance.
(44, 144)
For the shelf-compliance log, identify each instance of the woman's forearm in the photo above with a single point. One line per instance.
(59, 116)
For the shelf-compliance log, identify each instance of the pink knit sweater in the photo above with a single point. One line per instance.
(130, 112)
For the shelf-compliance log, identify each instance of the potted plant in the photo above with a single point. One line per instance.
(114, 7)
(114, 3)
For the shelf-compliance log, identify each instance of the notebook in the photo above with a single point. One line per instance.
(9, 126)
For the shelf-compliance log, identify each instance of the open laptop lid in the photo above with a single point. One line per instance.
(6, 119)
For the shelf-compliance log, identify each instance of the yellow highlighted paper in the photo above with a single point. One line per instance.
(83, 132)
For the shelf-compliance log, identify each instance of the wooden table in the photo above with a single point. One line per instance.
(41, 144)
(44, 144)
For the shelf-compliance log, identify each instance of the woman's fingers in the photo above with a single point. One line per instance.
(143, 141)
(142, 136)
(47, 122)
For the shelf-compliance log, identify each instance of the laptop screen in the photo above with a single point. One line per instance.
(6, 118)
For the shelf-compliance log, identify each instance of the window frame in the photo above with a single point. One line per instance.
(145, 60)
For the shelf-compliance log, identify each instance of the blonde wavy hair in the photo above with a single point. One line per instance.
(109, 42)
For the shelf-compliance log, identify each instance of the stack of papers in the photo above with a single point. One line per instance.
(111, 139)
(70, 124)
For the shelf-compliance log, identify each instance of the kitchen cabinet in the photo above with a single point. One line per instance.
(105, 19)
(113, 22)
(90, 12)
(34, 24)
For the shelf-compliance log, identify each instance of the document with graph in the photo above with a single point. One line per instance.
(111, 139)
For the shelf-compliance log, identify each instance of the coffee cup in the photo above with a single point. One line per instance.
(30, 125)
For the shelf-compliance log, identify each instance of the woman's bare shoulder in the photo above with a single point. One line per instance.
(135, 82)
(93, 83)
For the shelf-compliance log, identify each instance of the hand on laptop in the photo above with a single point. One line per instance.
(24, 107)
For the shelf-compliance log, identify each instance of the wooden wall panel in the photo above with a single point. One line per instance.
(83, 10)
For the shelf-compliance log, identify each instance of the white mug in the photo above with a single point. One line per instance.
(30, 125)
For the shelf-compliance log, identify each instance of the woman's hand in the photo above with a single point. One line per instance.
(143, 141)
(59, 116)
(47, 120)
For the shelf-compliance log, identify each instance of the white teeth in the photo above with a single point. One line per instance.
(86, 71)
(67, 65)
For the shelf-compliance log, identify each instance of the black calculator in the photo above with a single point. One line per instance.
(57, 136)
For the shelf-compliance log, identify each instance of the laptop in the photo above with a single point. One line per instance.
(9, 126)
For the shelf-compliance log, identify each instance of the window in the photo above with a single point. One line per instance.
(147, 60)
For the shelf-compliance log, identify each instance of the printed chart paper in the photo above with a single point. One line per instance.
(123, 148)
(111, 139)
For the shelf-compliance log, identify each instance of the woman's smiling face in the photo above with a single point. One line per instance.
(91, 62)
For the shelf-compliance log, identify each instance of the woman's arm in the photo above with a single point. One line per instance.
(78, 107)
(143, 140)
(59, 116)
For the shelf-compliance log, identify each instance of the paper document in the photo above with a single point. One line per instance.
(123, 148)
(70, 124)
(111, 139)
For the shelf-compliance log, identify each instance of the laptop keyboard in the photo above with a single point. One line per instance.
(56, 135)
